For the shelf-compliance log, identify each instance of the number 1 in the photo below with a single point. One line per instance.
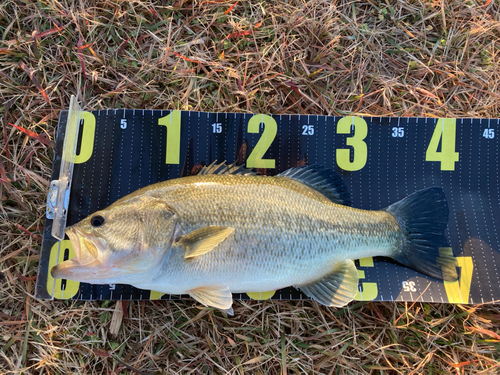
(173, 148)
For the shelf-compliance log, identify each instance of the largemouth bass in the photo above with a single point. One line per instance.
(227, 230)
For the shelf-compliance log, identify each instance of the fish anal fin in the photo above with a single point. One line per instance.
(203, 240)
(337, 288)
(218, 296)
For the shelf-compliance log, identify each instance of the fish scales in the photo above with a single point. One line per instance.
(283, 228)
(219, 233)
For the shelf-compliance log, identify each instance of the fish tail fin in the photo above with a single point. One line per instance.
(423, 216)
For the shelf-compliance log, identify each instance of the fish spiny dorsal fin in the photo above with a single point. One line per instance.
(323, 180)
(224, 168)
(336, 289)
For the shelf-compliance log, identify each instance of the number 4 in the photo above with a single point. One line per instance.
(444, 133)
(458, 291)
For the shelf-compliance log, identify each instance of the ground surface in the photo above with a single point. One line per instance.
(398, 58)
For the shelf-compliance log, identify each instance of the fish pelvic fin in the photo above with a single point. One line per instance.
(323, 180)
(218, 296)
(203, 240)
(336, 289)
(423, 217)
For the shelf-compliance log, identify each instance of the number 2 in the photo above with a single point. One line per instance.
(255, 159)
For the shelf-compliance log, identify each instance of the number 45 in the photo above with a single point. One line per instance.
(489, 133)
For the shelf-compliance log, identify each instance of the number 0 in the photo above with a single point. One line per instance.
(88, 135)
(55, 285)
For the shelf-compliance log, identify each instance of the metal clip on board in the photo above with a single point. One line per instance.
(58, 197)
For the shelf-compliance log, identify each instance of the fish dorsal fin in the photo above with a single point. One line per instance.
(218, 296)
(323, 180)
(224, 168)
(203, 240)
(336, 289)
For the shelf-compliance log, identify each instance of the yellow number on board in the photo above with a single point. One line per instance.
(444, 133)
(270, 129)
(360, 151)
(55, 285)
(260, 296)
(173, 124)
(88, 135)
(370, 290)
(458, 291)
(154, 295)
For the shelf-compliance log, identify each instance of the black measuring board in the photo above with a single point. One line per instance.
(381, 159)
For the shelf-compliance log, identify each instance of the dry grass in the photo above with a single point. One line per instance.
(399, 58)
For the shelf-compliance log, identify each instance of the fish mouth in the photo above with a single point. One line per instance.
(85, 266)
(84, 245)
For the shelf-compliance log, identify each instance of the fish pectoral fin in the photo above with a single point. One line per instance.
(336, 289)
(218, 296)
(203, 240)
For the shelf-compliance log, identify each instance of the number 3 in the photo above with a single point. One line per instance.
(359, 149)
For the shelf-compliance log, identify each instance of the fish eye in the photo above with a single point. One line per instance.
(97, 221)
